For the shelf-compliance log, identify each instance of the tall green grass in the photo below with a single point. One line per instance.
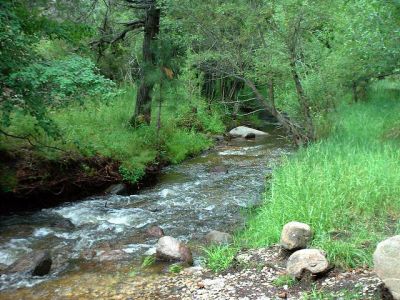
(347, 186)
(101, 128)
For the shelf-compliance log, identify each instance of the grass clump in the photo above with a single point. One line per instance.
(284, 280)
(175, 268)
(219, 257)
(148, 261)
(347, 186)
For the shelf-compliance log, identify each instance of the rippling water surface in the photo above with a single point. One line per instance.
(204, 193)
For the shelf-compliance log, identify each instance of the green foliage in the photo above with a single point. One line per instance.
(175, 268)
(8, 178)
(181, 143)
(148, 261)
(346, 187)
(284, 280)
(316, 294)
(61, 82)
(219, 258)
(101, 128)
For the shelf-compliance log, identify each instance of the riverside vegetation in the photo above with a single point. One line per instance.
(346, 186)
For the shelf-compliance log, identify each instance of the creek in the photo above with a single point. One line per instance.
(108, 236)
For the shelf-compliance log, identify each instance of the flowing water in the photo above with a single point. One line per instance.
(109, 232)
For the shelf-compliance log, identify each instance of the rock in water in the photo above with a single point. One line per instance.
(311, 260)
(295, 235)
(170, 249)
(218, 237)
(387, 264)
(117, 189)
(37, 263)
(63, 224)
(243, 131)
(155, 231)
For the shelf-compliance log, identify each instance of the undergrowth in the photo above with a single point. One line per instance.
(101, 128)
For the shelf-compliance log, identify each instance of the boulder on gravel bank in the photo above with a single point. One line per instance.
(387, 264)
(36, 263)
(243, 131)
(295, 235)
(170, 249)
(218, 237)
(311, 260)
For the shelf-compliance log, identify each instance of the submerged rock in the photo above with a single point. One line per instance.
(387, 264)
(170, 249)
(243, 131)
(63, 224)
(218, 237)
(295, 235)
(307, 260)
(155, 231)
(36, 263)
(117, 189)
(113, 255)
(219, 169)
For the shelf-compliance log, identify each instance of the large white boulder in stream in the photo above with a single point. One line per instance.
(295, 235)
(387, 264)
(307, 260)
(170, 249)
(246, 132)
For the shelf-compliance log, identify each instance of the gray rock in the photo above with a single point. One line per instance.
(243, 131)
(155, 231)
(170, 249)
(36, 263)
(117, 189)
(387, 264)
(295, 235)
(311, 260)
(218, 237)
(63, 224)
(112, 255)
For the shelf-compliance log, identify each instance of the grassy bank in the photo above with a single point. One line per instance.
(101, 129)
(346, 186)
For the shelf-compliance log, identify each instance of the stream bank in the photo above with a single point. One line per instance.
(109, 232)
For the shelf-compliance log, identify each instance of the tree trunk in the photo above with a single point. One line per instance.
(142, 113)
(299, 137)
(355, 94)
(304, 103)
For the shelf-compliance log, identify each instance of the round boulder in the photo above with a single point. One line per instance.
(170, 249)
(311, 260)
(295, 235)
(387, 264)
(218, 237)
